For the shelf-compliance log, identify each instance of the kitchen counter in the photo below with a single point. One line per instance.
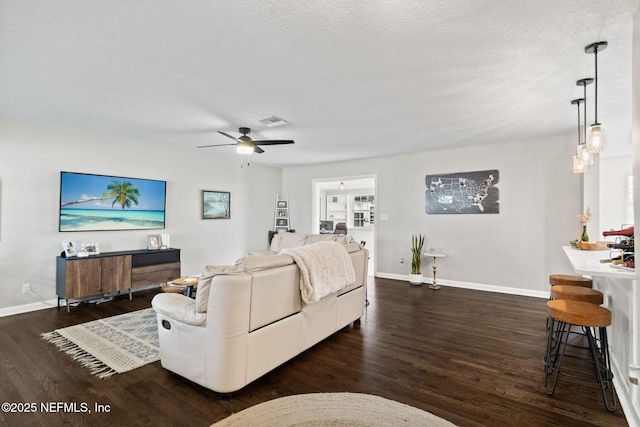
(621, 296)
(588, 263)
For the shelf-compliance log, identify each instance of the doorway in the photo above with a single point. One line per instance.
(352, 200)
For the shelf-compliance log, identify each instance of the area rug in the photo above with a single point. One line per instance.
(333, 409)
(112, 345)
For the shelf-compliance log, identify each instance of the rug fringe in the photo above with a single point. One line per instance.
(95, 366)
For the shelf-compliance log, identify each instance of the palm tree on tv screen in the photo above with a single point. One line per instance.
(123, 193)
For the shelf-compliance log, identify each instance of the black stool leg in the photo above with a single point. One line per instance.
(553, 359)
(603, 368)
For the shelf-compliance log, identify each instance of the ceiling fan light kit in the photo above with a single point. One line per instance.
(245, 145)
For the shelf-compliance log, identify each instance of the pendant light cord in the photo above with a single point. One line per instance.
(595, 92)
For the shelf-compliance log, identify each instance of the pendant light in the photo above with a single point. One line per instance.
(583, 152)
(579, 165)
(583, 157)
(596, 138)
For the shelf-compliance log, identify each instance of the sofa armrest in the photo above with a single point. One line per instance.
(178, 307)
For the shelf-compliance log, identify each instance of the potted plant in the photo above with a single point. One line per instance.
(417, 242)
(584, 219)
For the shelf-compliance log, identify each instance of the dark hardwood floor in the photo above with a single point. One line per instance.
(471, 357)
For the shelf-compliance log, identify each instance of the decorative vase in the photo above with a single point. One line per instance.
(415, 279)
(585, 235)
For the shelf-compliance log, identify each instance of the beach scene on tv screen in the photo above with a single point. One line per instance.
(99, 202)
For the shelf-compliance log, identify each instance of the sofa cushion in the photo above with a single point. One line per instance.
(257, 263)
(287, 240)
(275, 294)
(204, 284)
(178, 307)
(262, 253)
(315, 238)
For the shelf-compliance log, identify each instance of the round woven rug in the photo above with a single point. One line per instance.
(333, 409)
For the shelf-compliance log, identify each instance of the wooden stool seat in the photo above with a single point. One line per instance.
(577, 293)
(579, 313)
(569, 280)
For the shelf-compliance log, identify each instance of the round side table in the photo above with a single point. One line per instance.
(186, 284)
(435, 256)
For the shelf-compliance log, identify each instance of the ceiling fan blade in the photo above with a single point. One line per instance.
(228, 136)
(258, 150)
(214, 145)
(273, 142)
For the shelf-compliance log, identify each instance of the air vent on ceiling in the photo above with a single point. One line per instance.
(272, 121)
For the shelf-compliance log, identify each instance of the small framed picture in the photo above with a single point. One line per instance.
(216, 204)
(153, 242)
(282, 204)
(69, 248)
(282, 222)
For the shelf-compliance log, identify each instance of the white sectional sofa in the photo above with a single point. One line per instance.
(249, 318)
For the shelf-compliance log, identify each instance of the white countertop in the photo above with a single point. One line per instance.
(588, 263)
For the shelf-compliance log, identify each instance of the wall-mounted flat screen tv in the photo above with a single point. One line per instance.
(102, 203)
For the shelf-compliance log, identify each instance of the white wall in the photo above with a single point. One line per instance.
(31, 158)
(517, 248)
(614, 173)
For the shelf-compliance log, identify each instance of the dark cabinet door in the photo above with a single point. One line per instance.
(83, 277)
(116, 273)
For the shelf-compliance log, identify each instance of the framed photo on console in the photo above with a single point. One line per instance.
(216, 204)
(69, 248)
(153, 242)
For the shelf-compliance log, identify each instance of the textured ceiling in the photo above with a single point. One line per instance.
(354, 79)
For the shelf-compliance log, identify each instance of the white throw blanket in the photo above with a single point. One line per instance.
(325, 268)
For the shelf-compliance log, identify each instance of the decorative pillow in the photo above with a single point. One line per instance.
(275, 242)
(352, 247)
(342, 239)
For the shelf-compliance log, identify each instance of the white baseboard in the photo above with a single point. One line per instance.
(26, 308)
(470, 285)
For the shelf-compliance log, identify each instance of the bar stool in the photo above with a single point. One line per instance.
(568, 313)
(577, 293)
(575, 288)
(570, 280)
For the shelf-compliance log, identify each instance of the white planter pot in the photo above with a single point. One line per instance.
(415, 279)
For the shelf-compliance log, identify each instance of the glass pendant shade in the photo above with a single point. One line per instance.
(244, 148)
(585, 154)
(578, 165)
(596, 139)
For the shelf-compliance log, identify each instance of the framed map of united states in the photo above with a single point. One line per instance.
(463, 193)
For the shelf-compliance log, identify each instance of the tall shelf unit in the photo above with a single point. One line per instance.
(363, 211)
(337, 208)
(355, 210)
(281, 220)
